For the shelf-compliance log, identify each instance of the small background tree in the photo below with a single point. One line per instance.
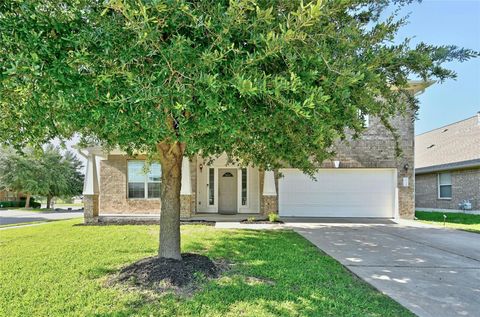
(45, 172)
(269, 82)
(21, 173)
(62, 173)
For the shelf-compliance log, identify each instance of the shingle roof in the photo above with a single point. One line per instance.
(449, 146)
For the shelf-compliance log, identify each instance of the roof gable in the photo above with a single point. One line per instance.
(453, 143)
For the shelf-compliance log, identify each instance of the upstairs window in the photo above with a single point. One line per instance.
(142, 183)
(445, 185)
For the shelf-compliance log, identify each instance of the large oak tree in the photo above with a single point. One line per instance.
(270, 82)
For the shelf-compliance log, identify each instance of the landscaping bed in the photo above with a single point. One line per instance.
(261, 221)
(162, 275)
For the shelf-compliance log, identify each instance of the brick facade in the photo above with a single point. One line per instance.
(113, 189)
(374, 149)
(465, 185)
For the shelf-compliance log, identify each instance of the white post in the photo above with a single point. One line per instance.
(90, 185)
(269, 184)
(186, 188)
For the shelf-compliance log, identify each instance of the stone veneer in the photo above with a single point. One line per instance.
(91, 208)
(465, 185)
(269, 204)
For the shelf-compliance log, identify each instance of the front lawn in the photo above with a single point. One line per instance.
(59, 269)
(454, 220)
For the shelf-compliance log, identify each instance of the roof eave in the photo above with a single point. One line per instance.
(449, 166)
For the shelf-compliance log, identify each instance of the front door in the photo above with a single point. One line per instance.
(227, 191)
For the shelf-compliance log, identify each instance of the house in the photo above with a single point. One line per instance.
(366, 179)
(447, 167)
(9, 195)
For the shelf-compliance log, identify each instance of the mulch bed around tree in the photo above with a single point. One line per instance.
(261, 221)
(163, 275)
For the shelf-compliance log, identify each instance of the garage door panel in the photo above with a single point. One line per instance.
(338, 193)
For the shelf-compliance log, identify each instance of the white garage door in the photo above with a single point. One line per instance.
(338, 193)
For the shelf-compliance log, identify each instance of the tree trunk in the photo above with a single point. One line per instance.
(27, 201)
(171, 155)
(49, 201)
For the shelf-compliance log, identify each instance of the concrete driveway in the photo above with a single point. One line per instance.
(430, 270)
(13, 216)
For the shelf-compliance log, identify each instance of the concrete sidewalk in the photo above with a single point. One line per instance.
(14, 216)
(430, 270)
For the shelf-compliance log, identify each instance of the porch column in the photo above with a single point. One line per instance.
(269, 199)
(186, 190)
(90, 191)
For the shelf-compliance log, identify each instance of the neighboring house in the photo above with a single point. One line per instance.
(9, 196)
(365, 179)
(447, 166)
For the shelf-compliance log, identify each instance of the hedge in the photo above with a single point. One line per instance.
(19, 203)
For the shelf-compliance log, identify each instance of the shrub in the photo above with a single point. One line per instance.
(19, 203)
(5, 204)
(251, 219)
(273, 217)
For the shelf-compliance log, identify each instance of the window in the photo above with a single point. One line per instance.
(142, 183)
(211, 186)
(244, 186)
(444, 185)
(365, 117)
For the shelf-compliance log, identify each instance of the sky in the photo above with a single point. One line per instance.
(446, 22)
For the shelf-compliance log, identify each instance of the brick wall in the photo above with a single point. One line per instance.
(113, 190)
(465, 185)
(376, 149)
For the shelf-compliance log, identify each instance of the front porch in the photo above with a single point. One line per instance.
(212, 190)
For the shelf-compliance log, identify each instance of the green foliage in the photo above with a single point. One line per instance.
(273, 217)
(275, 273)
(251, 219)
(45, 172)
(62, 172)
(22, 173)
(19, 203)
(272, 82)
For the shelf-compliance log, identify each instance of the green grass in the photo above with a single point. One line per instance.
(454, 220)
(26, 209)
(58, 269)
(22, 223)
(41, 210)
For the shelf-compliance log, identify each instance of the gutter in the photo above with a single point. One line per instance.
(448, 166)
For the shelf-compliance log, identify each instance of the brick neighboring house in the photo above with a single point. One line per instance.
(365, 179)
(9, 196)
(447, 167)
